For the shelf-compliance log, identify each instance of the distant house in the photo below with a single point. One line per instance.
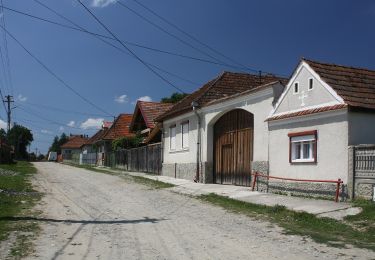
(143, 121)
(73, 146)
(90, 145)
(119, 128)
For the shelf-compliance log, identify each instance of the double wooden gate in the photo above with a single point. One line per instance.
(233, 148)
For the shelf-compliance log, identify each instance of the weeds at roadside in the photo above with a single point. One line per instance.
(322, 230)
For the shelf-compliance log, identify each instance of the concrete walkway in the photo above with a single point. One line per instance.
(323, 208)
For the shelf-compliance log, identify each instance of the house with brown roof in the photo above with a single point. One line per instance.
(90, 145)
(324, 109)
(238, 123)
(73, 146)
(143, 121)
(119, 128)
(218, 133)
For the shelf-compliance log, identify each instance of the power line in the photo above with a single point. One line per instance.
(126, 47)
(54, 74)
(191, 36)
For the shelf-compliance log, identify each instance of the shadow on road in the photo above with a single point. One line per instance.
(71, 221)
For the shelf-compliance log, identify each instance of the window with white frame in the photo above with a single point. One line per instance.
(185, 134)
(172, 137)
(303, 147)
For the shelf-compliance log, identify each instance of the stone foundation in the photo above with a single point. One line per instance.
(187, 171)
(364, 190)
(261, 167)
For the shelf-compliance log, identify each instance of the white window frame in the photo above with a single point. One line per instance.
(185, 135)
(297, 141)
(172, 138)
(294, 88)
(312, 85)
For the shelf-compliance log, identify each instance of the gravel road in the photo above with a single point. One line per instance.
(90, 215)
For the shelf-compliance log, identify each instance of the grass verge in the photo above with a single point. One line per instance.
(17, 198)
(155, 184)
(355, 230)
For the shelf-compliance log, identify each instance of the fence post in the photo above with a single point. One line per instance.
(254, 181)
(337, 190)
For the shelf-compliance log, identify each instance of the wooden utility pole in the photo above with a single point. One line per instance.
(9, 100)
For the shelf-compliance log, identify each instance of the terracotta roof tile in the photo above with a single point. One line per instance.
(225, 85)
(149, 111)
(307, 112)
(355, 85)
(97, 136)
(119, 128)
(75, 142)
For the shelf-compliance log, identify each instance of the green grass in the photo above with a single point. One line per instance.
(356, 230)
(17, 199)
(137, 179)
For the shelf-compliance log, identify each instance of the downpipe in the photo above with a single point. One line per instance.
(194, 106)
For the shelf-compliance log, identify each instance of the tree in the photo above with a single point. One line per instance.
(174, 98)
(3, 134)
(58, 142)
(20, 137)
(127, 142)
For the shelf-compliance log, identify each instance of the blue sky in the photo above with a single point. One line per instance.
(266, 35)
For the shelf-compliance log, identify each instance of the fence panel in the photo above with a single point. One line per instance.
(364, 171)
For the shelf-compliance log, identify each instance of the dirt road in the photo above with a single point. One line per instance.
(90, 215)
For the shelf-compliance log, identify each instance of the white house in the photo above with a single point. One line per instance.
(240, 123)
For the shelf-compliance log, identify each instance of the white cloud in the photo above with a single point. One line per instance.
(71, 124)
(3, 124)
(122, 99)
(92, 123)
(145, 98)
(44, 131)
(102, 3)
(22, 98)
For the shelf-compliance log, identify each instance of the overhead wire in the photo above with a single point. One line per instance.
(7, 61)
(127, 48)
(54, 74)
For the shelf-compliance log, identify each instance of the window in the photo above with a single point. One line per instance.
(172, 137)
(303, 147)
(296, 87)
(311, 83)
(185, 134)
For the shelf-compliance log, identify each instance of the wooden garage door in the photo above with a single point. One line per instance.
(233, 148)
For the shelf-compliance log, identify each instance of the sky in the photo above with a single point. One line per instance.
(267, 35)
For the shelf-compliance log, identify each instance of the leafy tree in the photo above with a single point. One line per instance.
(174, 98)
(58, 142)
(127, 142)
(20, 137)
(3, 134)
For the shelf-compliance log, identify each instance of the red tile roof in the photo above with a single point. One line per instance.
(149, 111)
(97, 136)
(355, 85)
(75, 142)
(307, 112)
(119, 128)
(225, 85)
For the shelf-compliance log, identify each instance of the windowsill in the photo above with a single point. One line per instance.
(179, 151)
(307, 161)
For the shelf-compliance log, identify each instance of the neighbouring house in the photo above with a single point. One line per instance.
(324, 110)
(219, 132)
(143, 121)
(90, 145)
(242, 123)
(73, 146)
(119, 128)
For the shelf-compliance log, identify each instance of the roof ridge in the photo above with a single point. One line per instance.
(337, 65)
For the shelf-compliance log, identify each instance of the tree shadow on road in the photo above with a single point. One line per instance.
(72, 221)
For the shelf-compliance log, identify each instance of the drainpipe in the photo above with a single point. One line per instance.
(195, 105)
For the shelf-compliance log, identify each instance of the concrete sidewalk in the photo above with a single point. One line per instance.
(323, 208)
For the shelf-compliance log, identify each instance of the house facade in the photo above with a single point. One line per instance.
(73, 146)
(240, 123)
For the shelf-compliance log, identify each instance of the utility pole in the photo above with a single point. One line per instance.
(9, 100)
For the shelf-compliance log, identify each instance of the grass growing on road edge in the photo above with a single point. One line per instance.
(17, 198)
(322, 230)
(138, 179)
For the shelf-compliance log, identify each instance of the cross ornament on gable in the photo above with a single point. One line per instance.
(302, 98)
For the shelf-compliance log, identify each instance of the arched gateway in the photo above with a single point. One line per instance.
(233, 148)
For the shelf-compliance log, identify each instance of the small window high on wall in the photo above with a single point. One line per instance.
(303, 147)
(185, 134)
(172, 137)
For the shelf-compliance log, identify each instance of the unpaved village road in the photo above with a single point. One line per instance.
(90, 215)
